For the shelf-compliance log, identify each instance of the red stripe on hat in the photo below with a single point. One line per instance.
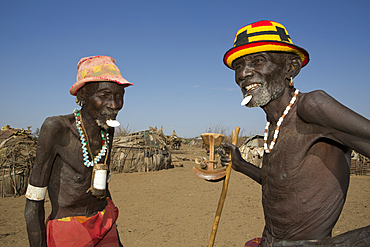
(262, 43)
(259, 43)
(262, 23)
(242, 47)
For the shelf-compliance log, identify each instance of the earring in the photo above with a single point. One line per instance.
(80, 103)
(291, 83)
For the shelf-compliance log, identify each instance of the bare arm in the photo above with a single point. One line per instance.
(335, 121)
(34, 214)
(34, 210)
(239, 164)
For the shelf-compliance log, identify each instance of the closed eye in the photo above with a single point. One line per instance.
(103, 95)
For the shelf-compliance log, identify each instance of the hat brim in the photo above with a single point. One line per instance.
(261, 46)
(79, 84)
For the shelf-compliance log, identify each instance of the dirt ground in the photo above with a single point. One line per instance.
(176, 208)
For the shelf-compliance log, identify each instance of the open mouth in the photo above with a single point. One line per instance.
(252, 86)
(247, 94)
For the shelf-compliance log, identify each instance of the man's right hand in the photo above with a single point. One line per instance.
(238, 163)
(236, 157)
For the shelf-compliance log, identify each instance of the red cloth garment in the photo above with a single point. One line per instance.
(98, 230)
(253, 243)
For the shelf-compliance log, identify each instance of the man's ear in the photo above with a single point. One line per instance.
(295, 66)
(81, 95)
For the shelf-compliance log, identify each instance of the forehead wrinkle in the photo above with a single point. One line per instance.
(104, 85)
(249, 57)
(110, 86)
(281, 57)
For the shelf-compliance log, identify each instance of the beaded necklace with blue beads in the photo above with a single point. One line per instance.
(85, 143)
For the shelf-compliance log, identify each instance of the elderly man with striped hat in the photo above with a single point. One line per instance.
(308, 140)
(72, 164)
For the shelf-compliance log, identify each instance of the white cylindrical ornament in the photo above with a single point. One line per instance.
(99, 180)
(35, 193)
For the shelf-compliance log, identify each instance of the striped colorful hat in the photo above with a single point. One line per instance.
(263, 36)
(97, 68)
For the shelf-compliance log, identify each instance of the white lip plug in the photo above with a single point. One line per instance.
(112, 123)
(246, 100)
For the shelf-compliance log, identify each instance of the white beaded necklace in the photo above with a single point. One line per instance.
(85, 143)
(268, 149)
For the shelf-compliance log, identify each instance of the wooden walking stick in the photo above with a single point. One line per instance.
(223, 193)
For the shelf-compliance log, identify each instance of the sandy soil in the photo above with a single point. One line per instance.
(176, 208)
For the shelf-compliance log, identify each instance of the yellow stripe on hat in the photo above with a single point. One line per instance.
(98, 71)
(262, 36)
(242, 29)
(114, 69)
(262, 29)
(97, 68)
(82, 75)
(265, 37)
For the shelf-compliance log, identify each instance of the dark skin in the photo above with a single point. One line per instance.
(59, 163)
(305, 177)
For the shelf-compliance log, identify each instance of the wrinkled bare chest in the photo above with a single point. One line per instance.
(69, 165)
(300, 183)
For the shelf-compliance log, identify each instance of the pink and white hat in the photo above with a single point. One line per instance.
(97, 68)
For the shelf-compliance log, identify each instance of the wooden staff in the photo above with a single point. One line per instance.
(223, 193)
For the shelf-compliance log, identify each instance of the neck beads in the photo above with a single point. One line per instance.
(85, 143)
(276, 134)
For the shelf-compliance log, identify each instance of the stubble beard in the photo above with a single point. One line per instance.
(102, 124)
(265, 96)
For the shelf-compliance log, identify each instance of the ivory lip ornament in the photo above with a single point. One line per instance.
(246, 100)
(112, 123)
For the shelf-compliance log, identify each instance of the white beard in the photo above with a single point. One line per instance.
(102, 124)
(265, 97)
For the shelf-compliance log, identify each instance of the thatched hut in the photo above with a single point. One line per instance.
(17, 156)
(252, 150)
(196, 142)
(141, 151)
(360, 165)
(173, 141)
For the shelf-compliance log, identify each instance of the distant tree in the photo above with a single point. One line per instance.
(121, 131)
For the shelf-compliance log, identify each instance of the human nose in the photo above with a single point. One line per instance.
(244, 72)
(113, 104)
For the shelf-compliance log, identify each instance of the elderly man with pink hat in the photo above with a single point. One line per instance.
(72, 164)
(308, 140)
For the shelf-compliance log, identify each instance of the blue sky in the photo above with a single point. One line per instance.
(172, 51)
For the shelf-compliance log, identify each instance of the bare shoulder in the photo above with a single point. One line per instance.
(54, 128)
(313, 106)
(52, 136)
(313, 101)
(56, 124)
